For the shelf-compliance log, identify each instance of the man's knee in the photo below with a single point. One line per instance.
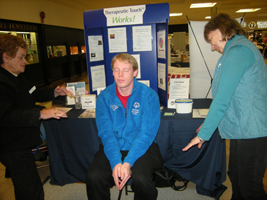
(91, 176)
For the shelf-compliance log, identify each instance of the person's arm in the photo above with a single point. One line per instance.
(13, 116)
(42, 95)
(148, 129)
(106, 132)
(236, 62)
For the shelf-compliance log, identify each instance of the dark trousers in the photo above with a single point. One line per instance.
(99, 178)
(24, 175)
(247, 165)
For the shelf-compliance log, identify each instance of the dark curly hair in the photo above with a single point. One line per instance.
(228, 26)
(10, 44)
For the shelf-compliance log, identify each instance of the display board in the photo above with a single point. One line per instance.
(140, 30)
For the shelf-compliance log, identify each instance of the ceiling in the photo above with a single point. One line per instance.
(177, 6)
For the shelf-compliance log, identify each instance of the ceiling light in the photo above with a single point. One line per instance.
(208, 17)
(175, 14)
(247, 10)
(202, 5)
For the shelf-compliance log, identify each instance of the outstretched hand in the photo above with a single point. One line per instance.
(61, 90)
(194, 141)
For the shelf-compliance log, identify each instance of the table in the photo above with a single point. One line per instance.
(73, 142)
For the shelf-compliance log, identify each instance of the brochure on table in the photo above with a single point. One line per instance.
(74, 87)
(88, 101)
(139, 30)
(179, 89)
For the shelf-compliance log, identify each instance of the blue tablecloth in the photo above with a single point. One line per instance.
(73, 142)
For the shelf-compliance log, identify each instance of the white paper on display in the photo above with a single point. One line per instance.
(200, 113)
(71, 100)
(161, 76)
(161, 43)
(142, 38)
(179, 89)
(88, 101)
(98, 77)
(95, 48)
(79, 87)
(137, 58)
(99, 90)
(146, 82)
(117, 40)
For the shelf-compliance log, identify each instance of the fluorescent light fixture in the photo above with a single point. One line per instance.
(23, 32)
(208, 17)
(202, 5)
(247, 10)
(175, 14)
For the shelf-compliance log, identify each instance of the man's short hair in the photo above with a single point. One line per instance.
(124, 57)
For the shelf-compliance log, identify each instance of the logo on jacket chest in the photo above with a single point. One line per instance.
(135, 110)
(114, 107)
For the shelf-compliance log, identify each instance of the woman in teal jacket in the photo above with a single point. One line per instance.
(239, 107)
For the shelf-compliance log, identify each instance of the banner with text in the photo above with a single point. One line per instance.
(124, 15)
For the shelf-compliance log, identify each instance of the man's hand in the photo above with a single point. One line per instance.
(121, 174)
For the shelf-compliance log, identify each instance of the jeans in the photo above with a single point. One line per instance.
(24, 175)
(247, 165)
(99, 178)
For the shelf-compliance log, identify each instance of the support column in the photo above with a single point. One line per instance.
(213, 12)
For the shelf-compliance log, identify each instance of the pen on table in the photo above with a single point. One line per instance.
(173, 113)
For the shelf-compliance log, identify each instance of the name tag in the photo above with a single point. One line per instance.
(32, 89)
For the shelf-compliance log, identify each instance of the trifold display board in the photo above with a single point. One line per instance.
(141, 31)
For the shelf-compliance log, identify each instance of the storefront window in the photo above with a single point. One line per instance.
(74, 50)
(56, 51)
(32, 55)
(83, 49)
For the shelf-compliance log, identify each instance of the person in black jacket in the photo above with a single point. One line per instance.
(20, 118)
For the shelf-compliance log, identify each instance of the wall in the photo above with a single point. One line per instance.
(29, 11)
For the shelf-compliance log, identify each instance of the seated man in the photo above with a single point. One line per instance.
(127, 118)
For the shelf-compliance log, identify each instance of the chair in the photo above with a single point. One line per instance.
(126, 188)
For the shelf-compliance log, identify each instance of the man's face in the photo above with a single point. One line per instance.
(17, 64)
(124, 75)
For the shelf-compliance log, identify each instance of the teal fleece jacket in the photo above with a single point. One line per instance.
(133, 129)
(239, 107)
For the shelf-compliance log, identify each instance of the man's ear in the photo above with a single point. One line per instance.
(135, 72)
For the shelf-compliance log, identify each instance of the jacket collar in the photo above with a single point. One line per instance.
(112, 92)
